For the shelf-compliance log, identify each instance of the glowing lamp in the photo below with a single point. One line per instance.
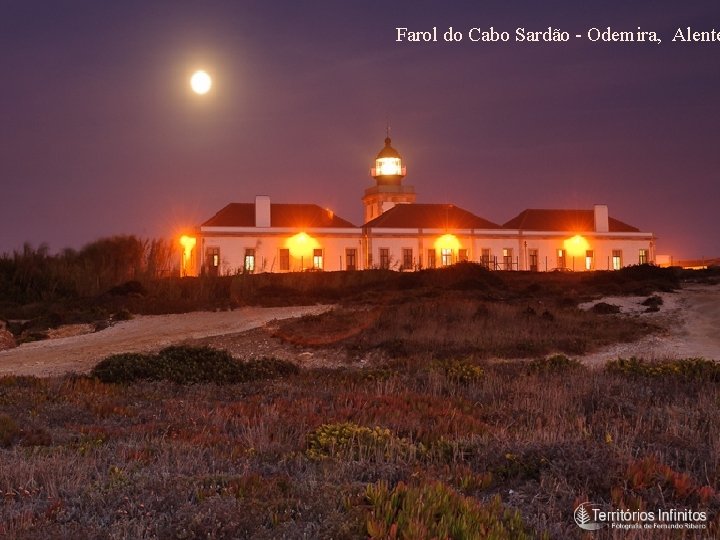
(188, 244)
(576, 246)
(302, 245)
(447, 241)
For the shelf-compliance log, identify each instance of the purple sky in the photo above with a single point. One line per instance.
(100, 135)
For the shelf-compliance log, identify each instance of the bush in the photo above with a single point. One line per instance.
(653, 301)
(462, 372)
(9, 431)
(188, 365)
(125, 367)
(603, 308)
(557, 363)
(268, 368)
(123, 315)
(436, 511)
(129, 288)
(351, 441)
(689, 368)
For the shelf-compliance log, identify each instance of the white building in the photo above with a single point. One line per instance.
(401, 234)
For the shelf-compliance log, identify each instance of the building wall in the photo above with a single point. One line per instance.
(410, 249)
(267, 247)
(506, 249)
(422, 242)
(503, 250)
(602, 247)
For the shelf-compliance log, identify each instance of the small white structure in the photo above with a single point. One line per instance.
(404, 235)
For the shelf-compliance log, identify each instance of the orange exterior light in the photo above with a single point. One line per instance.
(188, 244)
(302, 245)
(576, 246)
(447, 241)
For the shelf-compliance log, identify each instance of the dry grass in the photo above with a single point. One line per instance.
(454, 325)
(324, 453)
(90, 459)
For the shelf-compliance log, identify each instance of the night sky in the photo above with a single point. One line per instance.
(101, 135)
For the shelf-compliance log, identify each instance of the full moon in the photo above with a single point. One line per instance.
(201, 82)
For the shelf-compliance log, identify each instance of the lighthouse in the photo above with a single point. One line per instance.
(388, 190)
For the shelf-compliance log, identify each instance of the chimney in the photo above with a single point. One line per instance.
(262, 211)
(601, 218)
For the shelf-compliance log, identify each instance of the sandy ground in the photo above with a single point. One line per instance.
(690, 319)
(144, 333)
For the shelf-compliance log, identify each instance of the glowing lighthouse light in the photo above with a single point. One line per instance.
(388, 166)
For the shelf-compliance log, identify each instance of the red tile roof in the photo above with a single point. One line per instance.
(563, 220)
(430, 216)
(281, 215)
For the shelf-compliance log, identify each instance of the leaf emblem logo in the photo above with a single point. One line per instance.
(583, 517)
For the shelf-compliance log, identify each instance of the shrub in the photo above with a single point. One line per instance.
(123, 315)
(129, 288)
(603, 308)
(653, 301)
(125, 367)
(188, 365)
(268, 368)
(689, 368)
(436, 511)
(557, 363)
(648, 474)
(351, 441)
(9, 431)
(462, 372)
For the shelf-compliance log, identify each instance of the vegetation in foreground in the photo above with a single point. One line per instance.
(431, 440)
(408, 449)
(458, 325)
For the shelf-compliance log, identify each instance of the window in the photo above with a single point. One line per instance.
(350, 257)
(212, 260)
(384, 258)
(507, 258)
(533, 260)
(462, 255)
(485, 258)
(446, 256)
(285, 259)
(561, 258)
(407, 254)
(431, 258)
(616, 259)
(643, 256)
(589, 259)
(317, 259)
(249, 260)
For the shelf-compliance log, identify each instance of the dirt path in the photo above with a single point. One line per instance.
(690, 317)
(143, 333)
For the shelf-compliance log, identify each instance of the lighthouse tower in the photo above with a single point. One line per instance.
(388, 190)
